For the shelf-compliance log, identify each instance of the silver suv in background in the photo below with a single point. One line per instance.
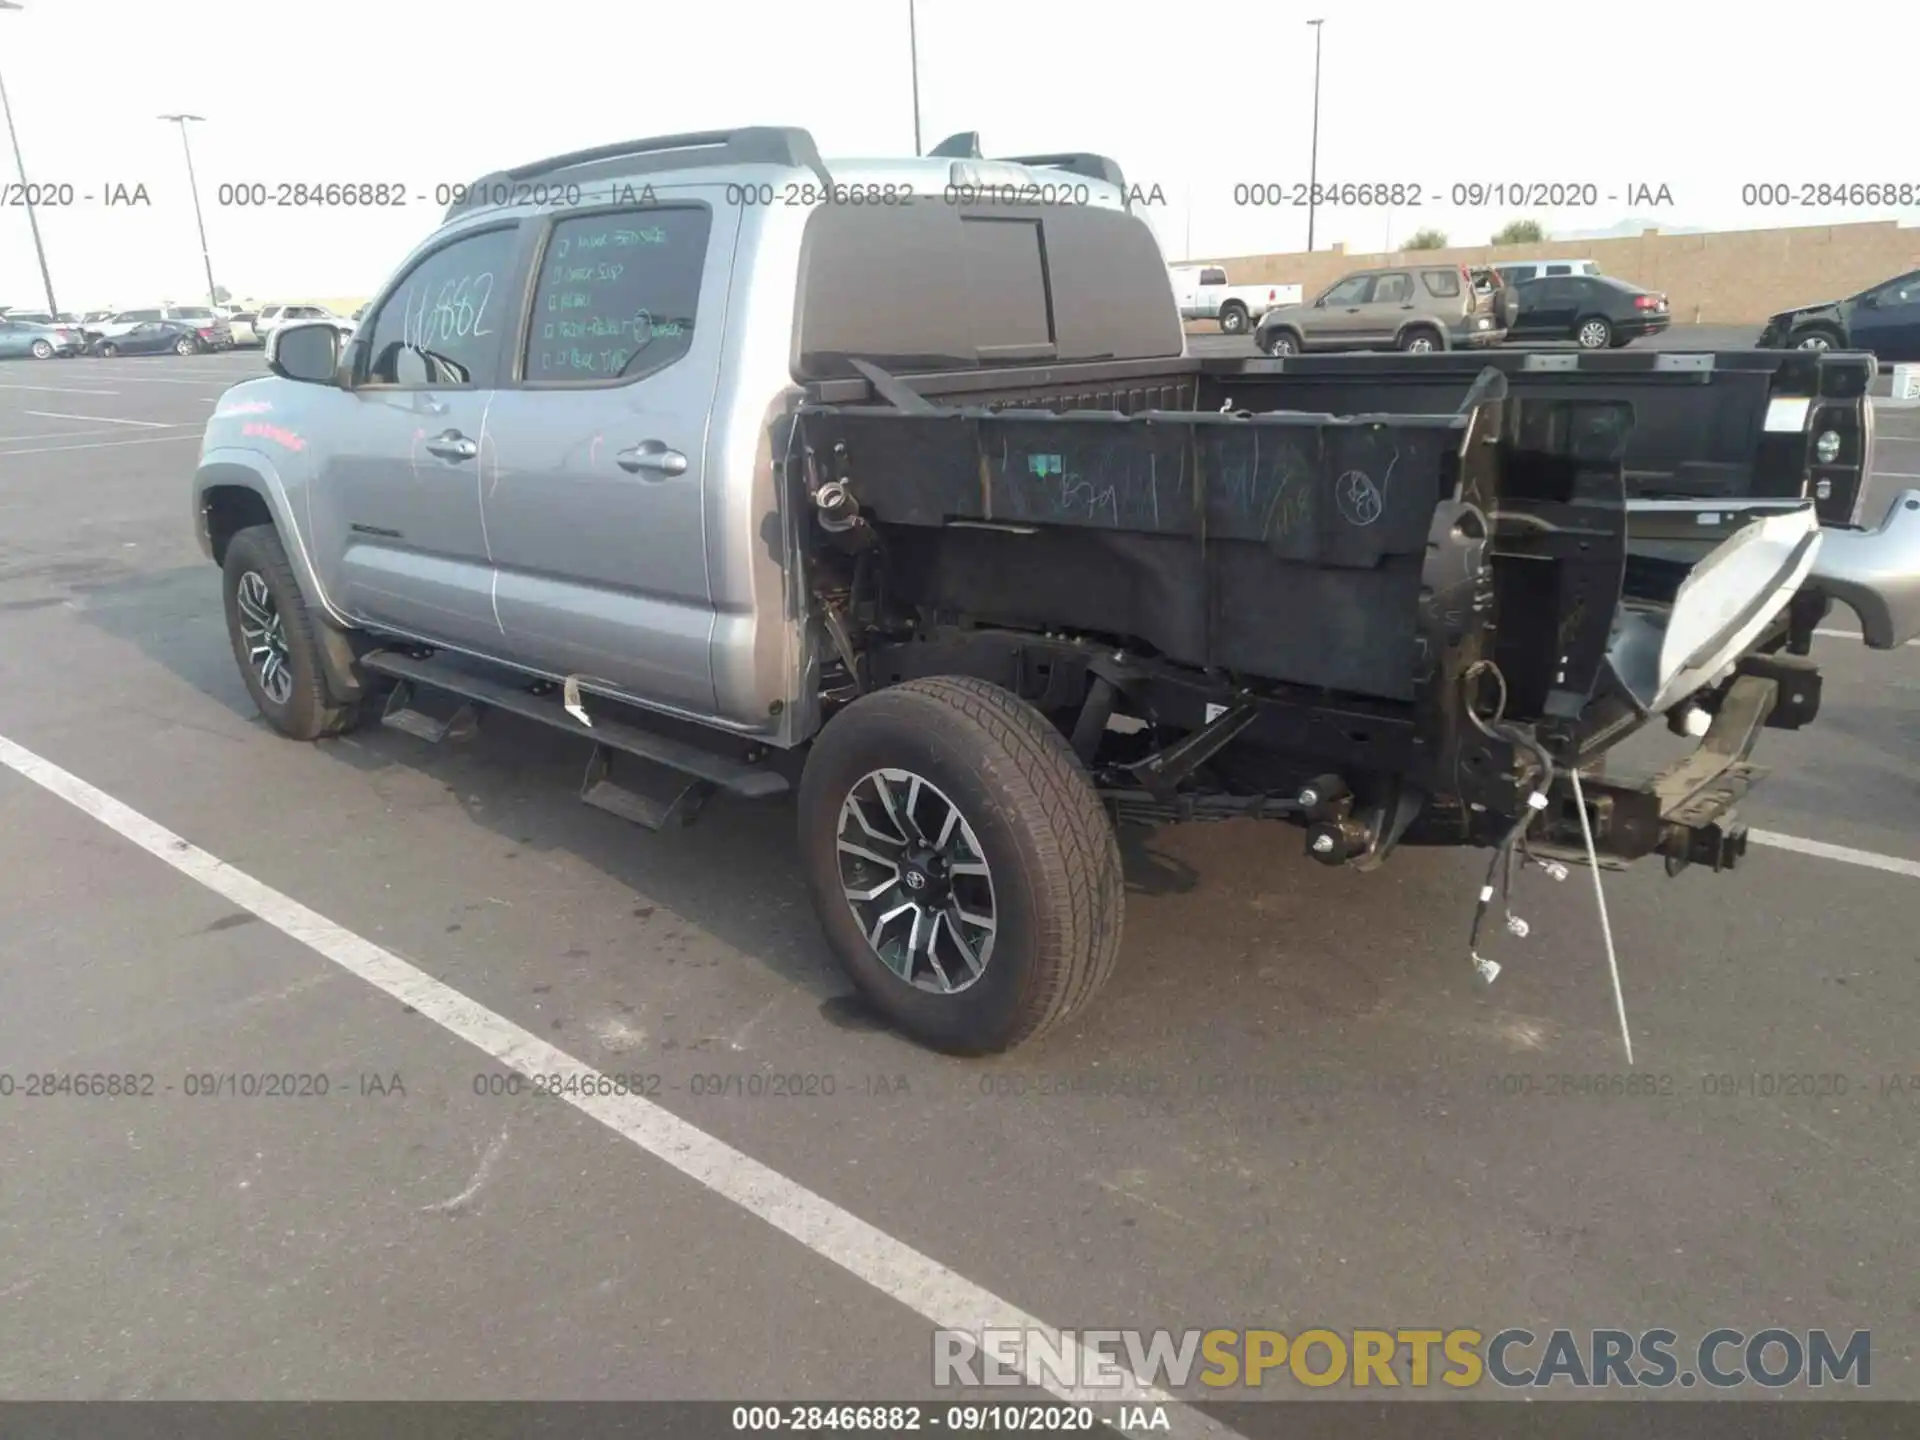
(272, 317)
(1418, 308)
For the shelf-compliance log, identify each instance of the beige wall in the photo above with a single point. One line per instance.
(1729, 277)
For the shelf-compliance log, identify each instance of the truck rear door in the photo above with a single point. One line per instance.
(594, 499)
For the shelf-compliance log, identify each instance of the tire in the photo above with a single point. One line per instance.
(1282, 342)
(1814, 337)
(184, 346)
(1233, 319)
(1593, 332)
(1042, 862)
(42, 350)
(296, 702)
(1420, 340)
(109, 349)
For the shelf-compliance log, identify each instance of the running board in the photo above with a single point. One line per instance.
(669, 800)
(694, 762)
(403, 713)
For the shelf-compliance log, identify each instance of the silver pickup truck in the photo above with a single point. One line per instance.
(891, 483)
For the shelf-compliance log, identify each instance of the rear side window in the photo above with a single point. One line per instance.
(1442, 284)
(1395, 289)
(441, 325)
(617, 295)
(1213, 277)
(1558, 270)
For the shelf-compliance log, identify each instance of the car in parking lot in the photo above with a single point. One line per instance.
(1883, 319)
(1417, 308)
(1518, 272)
(1596, 312)
(272, 317)
(211, 326)
(1203, 293)
(26, 338)
(240, 326)
(152, 337)
(41, 317)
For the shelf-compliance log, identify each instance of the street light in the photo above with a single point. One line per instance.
(213, 295)
(913, 51)
(1313, 165)
(26, 191)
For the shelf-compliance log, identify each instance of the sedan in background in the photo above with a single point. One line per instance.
(152, 337)
(1883, 319)
(1596, 312)
(24, 339)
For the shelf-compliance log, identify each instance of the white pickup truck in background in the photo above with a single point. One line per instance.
(1204, 294)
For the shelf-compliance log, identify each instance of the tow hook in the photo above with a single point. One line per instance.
(1334, 836)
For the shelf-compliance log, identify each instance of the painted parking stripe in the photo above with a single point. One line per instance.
(891, 1266)
(96, 419)
(193, 434)
(1845, 854)
(59, 390)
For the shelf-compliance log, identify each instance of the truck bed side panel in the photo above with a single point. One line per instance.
(1287, 546)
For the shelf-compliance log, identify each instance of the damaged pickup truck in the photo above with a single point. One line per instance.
(918, 507)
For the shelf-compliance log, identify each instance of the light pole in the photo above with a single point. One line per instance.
(26, 190)
(1313, 164)
(913, 51)
(213, 295)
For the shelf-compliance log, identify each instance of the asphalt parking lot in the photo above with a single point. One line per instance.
(1294, 1107)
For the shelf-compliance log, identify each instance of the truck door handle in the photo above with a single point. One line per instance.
(652, 455)
(452, 445)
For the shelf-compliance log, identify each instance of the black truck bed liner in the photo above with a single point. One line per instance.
(1700, 422)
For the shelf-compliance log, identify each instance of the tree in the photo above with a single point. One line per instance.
(1428, 240)
(1520, 232)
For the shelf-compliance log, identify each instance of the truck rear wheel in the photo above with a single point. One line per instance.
(1233, 318)
(273, 639)
(967, 876)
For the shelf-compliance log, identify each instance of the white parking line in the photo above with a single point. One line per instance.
(59, 390)
(891, 1266)
(78, 434)
(193, 434)
(97, 419)
(1846, 854)
(210, 377)
(1895, 475)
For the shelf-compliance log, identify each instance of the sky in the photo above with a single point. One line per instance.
(1211, 106)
